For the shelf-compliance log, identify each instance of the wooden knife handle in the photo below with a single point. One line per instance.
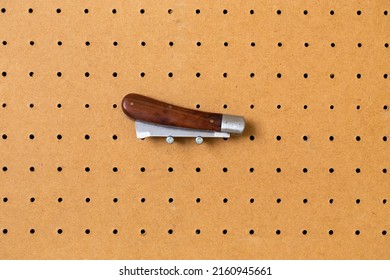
(139, 107)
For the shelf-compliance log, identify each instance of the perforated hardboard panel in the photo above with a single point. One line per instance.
(308, 179)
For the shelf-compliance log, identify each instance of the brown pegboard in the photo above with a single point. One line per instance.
(294, 122)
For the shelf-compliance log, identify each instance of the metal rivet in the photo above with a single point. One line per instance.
(211, 121)
(170, 140)
(199, 140)
(131, 103)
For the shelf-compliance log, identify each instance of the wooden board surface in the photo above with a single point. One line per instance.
(309, 179)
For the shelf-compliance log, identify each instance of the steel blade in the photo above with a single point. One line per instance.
(145, 129)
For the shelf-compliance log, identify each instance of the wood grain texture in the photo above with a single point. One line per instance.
(139, 107)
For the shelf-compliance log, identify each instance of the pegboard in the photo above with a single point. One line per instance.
(308, 179)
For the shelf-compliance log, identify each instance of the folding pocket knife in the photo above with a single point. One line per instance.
(154, 118)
